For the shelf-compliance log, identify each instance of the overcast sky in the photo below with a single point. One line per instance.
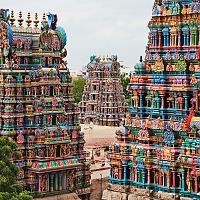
(95, 27)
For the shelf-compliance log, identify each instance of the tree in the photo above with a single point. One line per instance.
(125, 80)
(9, 188)
(78, 89)
(14, 196)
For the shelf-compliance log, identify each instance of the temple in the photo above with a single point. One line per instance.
(103, 102)
(157, 153)
(37, 108)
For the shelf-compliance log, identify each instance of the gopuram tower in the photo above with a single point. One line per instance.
(37, 107)
(103, 102)
(157, 153)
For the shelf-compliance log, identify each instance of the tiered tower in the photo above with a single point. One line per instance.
(103, 101)
(157, 153)
(37, 107)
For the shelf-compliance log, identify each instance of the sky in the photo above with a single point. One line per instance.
(95, 27)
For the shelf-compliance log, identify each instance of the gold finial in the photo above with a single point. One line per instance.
(28, 21)
(12, 19)
(20, 20)
(36, 21)
(44, 18)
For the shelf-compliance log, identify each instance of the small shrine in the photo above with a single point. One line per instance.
(103, 102)
(37, 108)
(157, 153)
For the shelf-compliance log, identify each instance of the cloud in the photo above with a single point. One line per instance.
(100, 27)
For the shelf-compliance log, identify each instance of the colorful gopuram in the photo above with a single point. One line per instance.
(103, 102)
(37, 108)
(157, 153)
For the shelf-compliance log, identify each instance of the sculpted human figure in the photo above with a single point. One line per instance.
(149, 99)
(128, 120)
(135, 99)
(159, 123)
(179, 101)
(172, 125)
(149, 122)
(193, 80)
(182, 125)
(57, 90)
(170, 100)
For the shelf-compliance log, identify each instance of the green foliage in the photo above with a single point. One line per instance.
(125, 81)
(79, 84)
(8, 170)
(14, 196)
(9, 189)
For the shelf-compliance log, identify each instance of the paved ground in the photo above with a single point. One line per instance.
(61, 197)
(98, 135)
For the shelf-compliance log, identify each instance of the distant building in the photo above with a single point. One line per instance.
(103, 101)
(77, 74)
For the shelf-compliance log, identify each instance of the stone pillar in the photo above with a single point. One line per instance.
(183, 180)
(188, 39)
(156, 40)
(175, 103)
(159, 38)
(161, 179)
(186, 101)
(148, 176)
(199, 38)
(184, 39)
(56, 182)
(125, 176)
(143, 176)
(133, 174)
(179, 38)
(171, 40)
(39, 182)
(167, 40)
(174, 179)
(162, 101)
(120, 173)
(136, 175)
(168, 180)
(141, 99)
(60, 182)
(48, 182)
(196, 185)
(131, 102)
(64, 181)
(51, 182)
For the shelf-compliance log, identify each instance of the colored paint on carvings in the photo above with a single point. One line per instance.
(158, 149)
(103, 101)
(37, 108)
